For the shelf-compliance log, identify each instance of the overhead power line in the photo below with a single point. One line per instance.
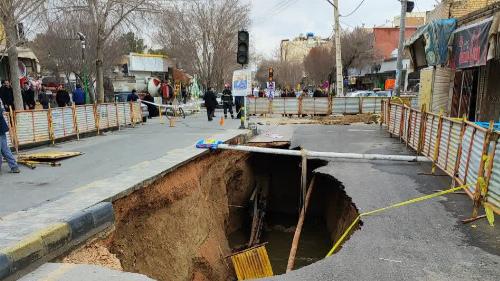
(355, 10)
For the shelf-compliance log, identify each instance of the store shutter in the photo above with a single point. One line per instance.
(443, 78)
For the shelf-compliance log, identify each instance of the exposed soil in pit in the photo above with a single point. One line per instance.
(177, 228)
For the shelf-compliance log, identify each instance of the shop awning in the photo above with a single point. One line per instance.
(428, 46)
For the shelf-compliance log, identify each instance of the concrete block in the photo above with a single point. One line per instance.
(5, 266)
(102, 213)
(25, 252)
(80, 223)
(55, 236)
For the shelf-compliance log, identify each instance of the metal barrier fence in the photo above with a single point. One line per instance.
(467, 152)
(315, 106)
(38, 126)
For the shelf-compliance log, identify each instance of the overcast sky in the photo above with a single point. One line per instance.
(274, 20)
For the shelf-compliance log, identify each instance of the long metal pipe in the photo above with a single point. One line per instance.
(318, 154)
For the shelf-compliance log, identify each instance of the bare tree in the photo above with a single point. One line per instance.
(13, 12)
(357, 53)
(59, 49)
(319, 63)
(357, 49)
(202, 36)
(106, 17)
(286, 74)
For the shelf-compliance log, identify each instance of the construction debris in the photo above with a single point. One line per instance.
(50, 158)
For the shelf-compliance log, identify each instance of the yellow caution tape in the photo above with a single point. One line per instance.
(490, 216)
(408, 202)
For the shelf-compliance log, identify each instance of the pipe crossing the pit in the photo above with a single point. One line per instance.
(319, 154)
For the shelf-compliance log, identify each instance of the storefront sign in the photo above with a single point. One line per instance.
(470, 45)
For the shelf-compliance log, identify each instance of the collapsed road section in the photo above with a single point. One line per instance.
(184, 225)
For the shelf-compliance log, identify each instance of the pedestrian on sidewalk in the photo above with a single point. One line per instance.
(44, 98)
(210, 103)
(62, 97)
(227, 101)
(78, 95)
(28, 95)
(132, 96)
(4, 148)
(153, 111)
(7, 95)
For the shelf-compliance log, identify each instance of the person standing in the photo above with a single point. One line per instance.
(7, 95)
(184, 95)
(227, 101)
(133, 96)
(210, 103)
(153, 111)
(78, 95)
(4, 148)
(28, 95)
(62, 97)
(44, 98)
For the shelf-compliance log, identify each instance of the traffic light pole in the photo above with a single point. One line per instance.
(399, 66)
(338, 49)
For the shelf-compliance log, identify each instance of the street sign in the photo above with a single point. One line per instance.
(242, 83)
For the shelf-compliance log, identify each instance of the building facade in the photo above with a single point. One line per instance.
(297, 49)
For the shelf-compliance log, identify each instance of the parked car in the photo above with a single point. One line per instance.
(362, 93)
(383, 93)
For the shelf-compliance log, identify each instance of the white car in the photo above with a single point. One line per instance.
(361, 94)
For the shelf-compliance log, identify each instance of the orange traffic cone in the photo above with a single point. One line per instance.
(221, 122)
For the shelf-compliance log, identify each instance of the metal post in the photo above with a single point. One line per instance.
(399, 67)
(338, 49)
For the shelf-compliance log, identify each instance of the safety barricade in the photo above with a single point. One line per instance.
(430, 134)
(464, 150)
(107, 115)
(85, 118)
(32, 126)
(315, 106)
(63, 122)
(493, 187)
(395, 118)
(449, 144)
(123, 114)
(136, 112)
(474, 146)
(414, 123)
(371, 104)
(37, 126)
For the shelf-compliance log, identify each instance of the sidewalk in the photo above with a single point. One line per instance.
(104, 156)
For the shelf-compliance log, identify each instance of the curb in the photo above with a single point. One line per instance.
(40, 245)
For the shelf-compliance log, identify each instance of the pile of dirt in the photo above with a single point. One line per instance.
(366, 118)
(94, 253)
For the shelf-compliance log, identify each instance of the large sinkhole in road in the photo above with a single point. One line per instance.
(185, 224)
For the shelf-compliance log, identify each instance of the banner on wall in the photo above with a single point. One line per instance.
(470, 45)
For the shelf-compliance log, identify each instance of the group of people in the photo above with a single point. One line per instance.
(44, 96)
(211, 103)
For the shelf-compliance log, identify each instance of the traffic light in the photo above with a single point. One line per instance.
(243, 47)
(271, 74)
(409, 6)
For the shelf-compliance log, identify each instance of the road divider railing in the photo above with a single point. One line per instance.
(317, 105)
(28, 127)
(466, 151)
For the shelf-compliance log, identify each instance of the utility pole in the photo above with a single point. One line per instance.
(399, 66)
(338, 51)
